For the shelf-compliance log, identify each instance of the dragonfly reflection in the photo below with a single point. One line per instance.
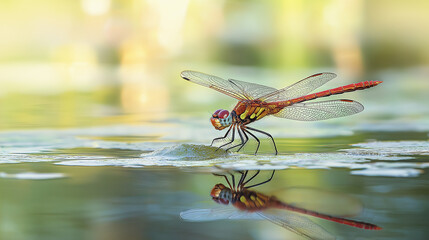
(248, 204)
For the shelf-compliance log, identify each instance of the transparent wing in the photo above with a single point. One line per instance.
(300, 88)
(288, 220)
(221, 213)
(320, 110)
(252, 90)
(297, 224)
(233, 88)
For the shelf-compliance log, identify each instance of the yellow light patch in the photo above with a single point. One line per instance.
(262, 115)
(260, 201)
(252, 116)
(244, 200)
(243, 115)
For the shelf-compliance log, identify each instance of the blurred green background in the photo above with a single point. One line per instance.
(91, 62)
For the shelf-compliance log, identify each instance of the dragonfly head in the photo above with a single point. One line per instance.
(221, 119)
(221, 194)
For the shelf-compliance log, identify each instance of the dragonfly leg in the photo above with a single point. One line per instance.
(245, 136)
(232, 186)
(233, 180)
(241, 143)
(243, 176)
(226, 178)
(250, 179)
(272, 175)
(269, 135)
(253, 135)
(232, 139)
(219, 138)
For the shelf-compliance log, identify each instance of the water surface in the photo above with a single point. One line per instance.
(130, 176)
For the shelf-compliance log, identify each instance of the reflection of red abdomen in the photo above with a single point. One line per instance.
(353, 223)
(253, 201)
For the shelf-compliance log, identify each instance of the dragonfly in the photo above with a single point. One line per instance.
(257, 101)
(248, 204)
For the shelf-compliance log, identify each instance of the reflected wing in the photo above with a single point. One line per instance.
(300, 88)
(221, 213)
(233, 88)
(298, 224)
(289, 220)
(320, 110)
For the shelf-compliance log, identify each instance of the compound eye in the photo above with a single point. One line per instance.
(223, 114)
(215, 114)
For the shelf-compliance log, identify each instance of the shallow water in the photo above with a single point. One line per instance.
(105, 183)
(132, 178)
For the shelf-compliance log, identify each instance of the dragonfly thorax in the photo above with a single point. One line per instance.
(221, 119)
(221, 194)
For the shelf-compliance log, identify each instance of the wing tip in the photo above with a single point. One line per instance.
(353, 101)
(188, 215)
(334, 75)
(183, 215)
(184, 74)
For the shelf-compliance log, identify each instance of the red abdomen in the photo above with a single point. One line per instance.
(339, 90)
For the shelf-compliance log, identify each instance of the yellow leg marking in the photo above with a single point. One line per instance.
(260, 111)
(252, 116)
